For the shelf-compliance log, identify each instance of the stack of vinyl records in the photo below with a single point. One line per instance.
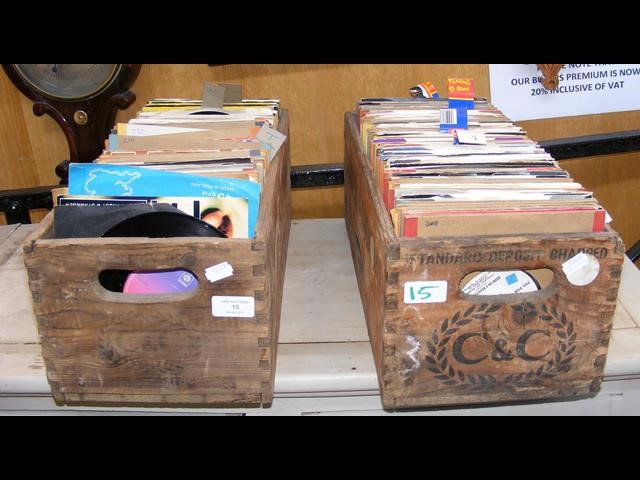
(207, 162)
(487, 179)
(179, 169)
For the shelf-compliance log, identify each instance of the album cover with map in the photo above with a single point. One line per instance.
(228, 203)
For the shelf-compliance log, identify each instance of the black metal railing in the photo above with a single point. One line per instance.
(17, 204)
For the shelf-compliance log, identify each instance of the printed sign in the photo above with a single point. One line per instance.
(584, 89)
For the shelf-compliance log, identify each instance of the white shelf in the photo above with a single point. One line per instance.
(325, 364)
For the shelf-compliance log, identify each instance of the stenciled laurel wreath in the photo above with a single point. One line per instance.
(438, 363)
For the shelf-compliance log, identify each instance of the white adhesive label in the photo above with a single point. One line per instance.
(582, 269)
(218, 272)
(233, 306)
(425, 292)
(465, 137)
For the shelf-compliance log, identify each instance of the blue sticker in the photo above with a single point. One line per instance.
(511, 279)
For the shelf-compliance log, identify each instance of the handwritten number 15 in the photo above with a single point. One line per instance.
(422, 292)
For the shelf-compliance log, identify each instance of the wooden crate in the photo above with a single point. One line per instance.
(103, 347)
(472, 349)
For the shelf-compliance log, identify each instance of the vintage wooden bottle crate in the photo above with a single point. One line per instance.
(475, 349)
(103, 347)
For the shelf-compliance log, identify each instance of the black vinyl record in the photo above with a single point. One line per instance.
(140, 220)
(156, 224)
(163, 225)
(135, 220)
(150, 221)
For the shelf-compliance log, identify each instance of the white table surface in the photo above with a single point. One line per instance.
(324, 364)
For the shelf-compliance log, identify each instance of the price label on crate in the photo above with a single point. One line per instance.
(425, 292)
(233, 306)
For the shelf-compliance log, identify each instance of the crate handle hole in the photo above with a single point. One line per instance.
(177, 281)
(505, 283)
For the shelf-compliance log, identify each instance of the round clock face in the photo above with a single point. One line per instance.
(68, 81)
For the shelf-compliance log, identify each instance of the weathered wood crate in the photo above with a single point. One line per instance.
(104, 347)
(547, 344)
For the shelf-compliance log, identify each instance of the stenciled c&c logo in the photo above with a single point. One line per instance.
(441, 347)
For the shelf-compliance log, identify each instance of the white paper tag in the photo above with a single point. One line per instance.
(582, 269)
(233, 306)
(212, 95)
(232, 92)
(218, 272)
(425, 292)
(465, 137)
(270, 139)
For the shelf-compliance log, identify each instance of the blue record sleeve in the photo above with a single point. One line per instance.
(128, 181)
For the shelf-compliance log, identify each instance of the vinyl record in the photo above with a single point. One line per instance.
(155, 283)
(161, 224)
(139, 220)
(155, 224)
(113, 280)
(500, 283)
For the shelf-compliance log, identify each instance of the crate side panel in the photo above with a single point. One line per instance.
(97, 341)
(273, 229)
(369, 236)
(546, 344)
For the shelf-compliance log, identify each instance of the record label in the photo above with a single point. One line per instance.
(156, 283)
(501, 283)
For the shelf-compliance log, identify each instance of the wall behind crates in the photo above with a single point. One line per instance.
(317, 96)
